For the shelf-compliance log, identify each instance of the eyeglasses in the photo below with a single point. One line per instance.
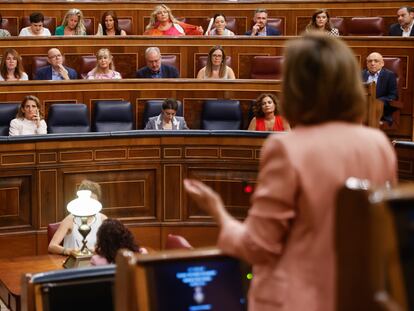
(55, 56)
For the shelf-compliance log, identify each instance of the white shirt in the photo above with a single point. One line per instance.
(26, 127)
(373, 77)
(408, 32)
(26, 32)
(23, 77)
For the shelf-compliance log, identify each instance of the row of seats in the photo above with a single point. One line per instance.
(116, 115)
(347, 26)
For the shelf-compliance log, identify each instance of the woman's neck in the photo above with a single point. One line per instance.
(10, 74)
(164, 25)
(69, 31)
(103, 70)
(269, 116)
(110, 32)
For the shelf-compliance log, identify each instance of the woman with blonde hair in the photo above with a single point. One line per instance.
(72, 24)
(163, 23)
(105, 68)
(11, 66)
(267, 115)
(320, 21)
(216, 67)
(29, 119)
(288, 236)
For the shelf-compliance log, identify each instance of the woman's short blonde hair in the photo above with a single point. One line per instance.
(103, 52)
(321, 81)
(20, 113)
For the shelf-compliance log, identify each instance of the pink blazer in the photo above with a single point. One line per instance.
(288, 234)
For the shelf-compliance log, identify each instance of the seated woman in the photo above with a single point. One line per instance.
(105, 68)
(72, 239)
(109, 25)
(163, 23)
(36, 26)
(167, 120)
(11, 66)
(3, 32)
(216, 66)
(112, 236)
(321, 22)
(267, 115)
(72, 24)
(219, 21)
(29, 119)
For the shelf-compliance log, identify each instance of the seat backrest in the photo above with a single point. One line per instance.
(89, 26)
(38, 62)
(10, 24)
(87, 63)
(177, 242)
(395, 65)
(125, 24)
(366, 249)
(68, 118)
(8, 112)
(221, 114)
(113, 115)
(170, 60)
(51, 230)
(266, 67)
(339, 23)
(366, 26)
(91, 287)
(153, 108)
(49, 23)
(277, 23)
(201, 62)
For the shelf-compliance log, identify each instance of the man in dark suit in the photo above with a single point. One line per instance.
(405, 24)
(154, 68)
(260, 27)
(386, 83)
(55, 70)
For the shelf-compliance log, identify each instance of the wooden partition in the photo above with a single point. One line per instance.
(293, 14)
(129, 56)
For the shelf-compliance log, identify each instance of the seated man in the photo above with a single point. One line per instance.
(386, 83)
(260, 27)
(56, 70)
(36, 26)
(405, 24)
(154, 68)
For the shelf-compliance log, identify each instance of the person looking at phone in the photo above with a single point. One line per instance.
(55, 70)
(29, 119)
(260, 27)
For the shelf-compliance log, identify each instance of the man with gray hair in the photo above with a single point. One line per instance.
(405, 25)
(154, 68)
(260, 27)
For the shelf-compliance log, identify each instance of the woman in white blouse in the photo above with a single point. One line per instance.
(11, 66)
(105, 68)
(29, 119)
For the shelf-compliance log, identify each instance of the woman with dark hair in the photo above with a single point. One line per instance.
(167, 120)
(109, 25)
(29, 119)
(11, 66)
(3, 32)
(111, 237)
(163, 23)
(267, 115)
(288, 235)
(219, 23)
(320, 21)
(216, 67)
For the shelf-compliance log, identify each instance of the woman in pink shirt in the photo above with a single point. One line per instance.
(105, 68)
(288, 235)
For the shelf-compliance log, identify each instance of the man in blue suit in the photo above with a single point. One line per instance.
(405, 24)
(55, 70)
(154, 68)
(260, 27)
(386, 83)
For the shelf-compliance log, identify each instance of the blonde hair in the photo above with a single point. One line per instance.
(102, 52)
(92, 186)
(80, 26)
(153, 19)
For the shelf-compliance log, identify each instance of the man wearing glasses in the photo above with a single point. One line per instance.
(55, 70)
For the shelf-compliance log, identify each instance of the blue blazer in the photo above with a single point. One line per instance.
(45, 73)
(395, 30)
(167, 72)
(386, 85)
(270, 31)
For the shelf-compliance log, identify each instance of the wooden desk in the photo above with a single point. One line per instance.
(12, 269)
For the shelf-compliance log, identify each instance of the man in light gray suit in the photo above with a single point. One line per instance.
(167, 119)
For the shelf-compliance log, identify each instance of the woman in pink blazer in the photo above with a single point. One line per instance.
(288, 235)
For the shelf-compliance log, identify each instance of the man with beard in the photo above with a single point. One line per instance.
(260, 27)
